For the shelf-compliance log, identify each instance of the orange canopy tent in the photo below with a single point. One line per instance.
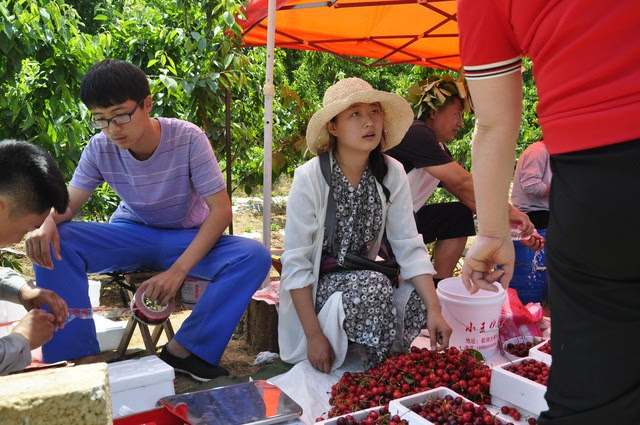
(419, 32)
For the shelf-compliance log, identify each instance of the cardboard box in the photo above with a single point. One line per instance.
(136, 385)
(521, 392)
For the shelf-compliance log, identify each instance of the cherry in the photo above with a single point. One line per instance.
(546, 348)
(531, 369)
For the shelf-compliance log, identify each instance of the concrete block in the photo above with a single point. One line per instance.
(71, 395)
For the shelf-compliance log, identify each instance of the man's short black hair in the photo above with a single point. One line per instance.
(112, 82)
(31, 179)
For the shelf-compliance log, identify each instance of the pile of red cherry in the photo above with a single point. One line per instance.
(531, 369)
(546, 348)
(375, 417)
(409, 373)
(521, 349)
(449, 410)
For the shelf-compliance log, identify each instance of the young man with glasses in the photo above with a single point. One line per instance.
(173, 211)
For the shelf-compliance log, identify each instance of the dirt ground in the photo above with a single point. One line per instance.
(238, 356)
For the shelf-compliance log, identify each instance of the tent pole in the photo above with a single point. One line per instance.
(269, 91)
(227, 128)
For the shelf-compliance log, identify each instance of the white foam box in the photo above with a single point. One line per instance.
(94, 292)
(136, 385)
(539, 355)
(497, 403)
(109, 332)
(401, 406)
(514, 389)
(359, 415)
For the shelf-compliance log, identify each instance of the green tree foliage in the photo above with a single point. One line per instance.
(191, 51)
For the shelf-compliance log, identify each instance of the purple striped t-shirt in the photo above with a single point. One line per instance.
(166, 190)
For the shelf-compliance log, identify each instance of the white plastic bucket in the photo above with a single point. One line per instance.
(474, 318)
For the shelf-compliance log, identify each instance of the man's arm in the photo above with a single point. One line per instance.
(164, 286)
(31, 332)
(498, 109)
(15, 353)
(38, 241)
(15, 288)
(457, 180)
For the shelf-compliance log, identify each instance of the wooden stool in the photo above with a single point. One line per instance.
(150, 340)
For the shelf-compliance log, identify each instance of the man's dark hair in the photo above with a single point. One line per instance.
(31, 179)
(112, 82)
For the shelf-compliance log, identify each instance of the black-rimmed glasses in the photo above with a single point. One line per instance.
(119, 119)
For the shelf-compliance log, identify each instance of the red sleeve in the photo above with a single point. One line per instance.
(488, 45)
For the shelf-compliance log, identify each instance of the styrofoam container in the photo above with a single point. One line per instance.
(400, 406)
(539, 355)
(10, 312)
(521, 392)
(109, 332)
(94, 292)
(136, 385)
(497, 403)
(517, 340)
(360, 414)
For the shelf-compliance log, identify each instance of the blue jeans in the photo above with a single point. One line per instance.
(235, 266)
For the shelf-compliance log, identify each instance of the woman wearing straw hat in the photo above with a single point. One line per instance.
(320, 313)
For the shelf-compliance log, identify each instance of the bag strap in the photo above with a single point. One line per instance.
(330, 218)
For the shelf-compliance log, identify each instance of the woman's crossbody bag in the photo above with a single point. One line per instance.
(389, 268)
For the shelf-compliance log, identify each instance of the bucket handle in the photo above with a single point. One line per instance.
(529, 266)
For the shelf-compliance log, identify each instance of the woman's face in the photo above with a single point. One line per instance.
(358, 128)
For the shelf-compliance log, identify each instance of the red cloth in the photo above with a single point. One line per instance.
(585, 54)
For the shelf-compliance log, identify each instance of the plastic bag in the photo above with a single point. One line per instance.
(517, 319)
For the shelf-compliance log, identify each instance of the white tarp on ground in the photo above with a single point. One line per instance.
(311, 389)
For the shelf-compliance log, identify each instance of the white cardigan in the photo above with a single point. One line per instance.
(304, 233)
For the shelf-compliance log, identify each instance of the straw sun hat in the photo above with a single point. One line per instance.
(398, 115)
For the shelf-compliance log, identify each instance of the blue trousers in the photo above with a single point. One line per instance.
(236, 267)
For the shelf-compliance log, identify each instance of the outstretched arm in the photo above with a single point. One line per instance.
(498, 108)
(164, 285)
(457, 181)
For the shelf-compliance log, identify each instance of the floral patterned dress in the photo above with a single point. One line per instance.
(367, 296)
